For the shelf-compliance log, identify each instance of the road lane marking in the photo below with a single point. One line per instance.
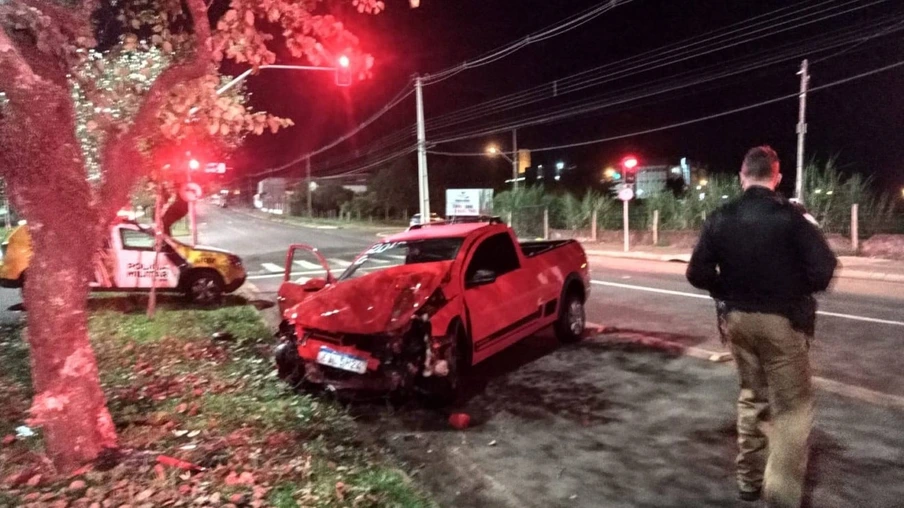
(705, 297)
(272, 267)
(307, 265)
(294, 274)
(340, 263)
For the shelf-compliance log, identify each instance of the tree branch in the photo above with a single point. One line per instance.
(76, 22)
(123, 160)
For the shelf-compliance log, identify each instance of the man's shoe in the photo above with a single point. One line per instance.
(749, 495)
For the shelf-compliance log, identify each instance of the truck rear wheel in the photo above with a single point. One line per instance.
(572, 318)
(204, 287)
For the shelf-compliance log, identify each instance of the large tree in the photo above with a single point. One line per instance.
(55, 53)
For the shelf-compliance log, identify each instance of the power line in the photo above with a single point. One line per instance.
(512, 47)
(651, 60)
(403, 94)
(631, 95)
(688, 122)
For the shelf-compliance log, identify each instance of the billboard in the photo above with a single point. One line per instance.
(469, 202)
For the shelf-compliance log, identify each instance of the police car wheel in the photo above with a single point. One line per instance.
(205, 288)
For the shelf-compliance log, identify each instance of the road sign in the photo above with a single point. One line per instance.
(190, 192)
(215, 167)
(626, 194)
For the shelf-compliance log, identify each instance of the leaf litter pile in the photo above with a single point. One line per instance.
(202, 421)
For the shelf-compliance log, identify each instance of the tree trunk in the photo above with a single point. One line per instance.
(69, 404)
(47, 184)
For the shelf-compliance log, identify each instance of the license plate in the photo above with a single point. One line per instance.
(344, 361)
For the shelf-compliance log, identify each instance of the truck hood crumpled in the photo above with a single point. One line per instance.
(380, 302)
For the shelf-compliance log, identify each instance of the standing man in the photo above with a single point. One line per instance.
(762, 260)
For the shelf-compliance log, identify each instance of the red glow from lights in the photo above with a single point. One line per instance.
(629, 162)
(344, 61)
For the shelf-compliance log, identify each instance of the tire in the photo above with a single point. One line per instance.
(441, 391)
(204, 287)
(289, 366)
(572, 318)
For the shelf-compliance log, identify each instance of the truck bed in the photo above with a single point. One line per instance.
(535, 247)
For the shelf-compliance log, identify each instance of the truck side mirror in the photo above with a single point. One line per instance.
(482, 278)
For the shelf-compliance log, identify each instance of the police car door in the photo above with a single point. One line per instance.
(135, 260)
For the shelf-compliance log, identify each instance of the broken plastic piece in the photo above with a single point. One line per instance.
(23, 431)
(460, 420)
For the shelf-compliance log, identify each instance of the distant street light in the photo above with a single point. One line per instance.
(494, 150)
(704, 182)
(194, 164)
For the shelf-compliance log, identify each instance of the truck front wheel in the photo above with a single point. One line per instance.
(204, 287)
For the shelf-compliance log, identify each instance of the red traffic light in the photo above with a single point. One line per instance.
(343, 71)
(629, 162)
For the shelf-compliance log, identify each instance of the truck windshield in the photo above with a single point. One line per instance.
(389, 254)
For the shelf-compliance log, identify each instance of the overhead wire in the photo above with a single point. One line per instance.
(655, 59)
(658, 53)
(692, 121)
(662, 86)
(507, 49)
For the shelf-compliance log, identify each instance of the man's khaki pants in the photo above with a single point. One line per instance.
(774, 370)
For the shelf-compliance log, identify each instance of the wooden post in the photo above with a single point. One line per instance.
(546, 223)
(655, 227)
(855, 228)
(593, 221)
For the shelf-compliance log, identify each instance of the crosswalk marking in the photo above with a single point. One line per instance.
(272, 267)
(307, 265)
(340, 263)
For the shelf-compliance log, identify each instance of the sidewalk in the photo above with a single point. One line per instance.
(851, 267)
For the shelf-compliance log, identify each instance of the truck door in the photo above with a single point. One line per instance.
(500, 304)
(306, 272)
(134, 250)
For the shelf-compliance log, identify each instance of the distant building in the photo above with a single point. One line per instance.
(651, 180)
(271, 195)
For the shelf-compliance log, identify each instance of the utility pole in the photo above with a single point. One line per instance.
(514, 159)
(309, 190)
(801, 130)
(423, 187)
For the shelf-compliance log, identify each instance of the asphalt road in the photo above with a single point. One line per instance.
(635, 415)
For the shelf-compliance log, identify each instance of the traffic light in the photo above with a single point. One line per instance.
(629, 165)
(343, 71)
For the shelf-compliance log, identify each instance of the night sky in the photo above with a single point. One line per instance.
(859, 122)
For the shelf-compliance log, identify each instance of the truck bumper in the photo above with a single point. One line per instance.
(11, 283)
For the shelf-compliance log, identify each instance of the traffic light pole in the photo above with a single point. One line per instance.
(423, 188)
(801, 130)
(310, 191)
(625, 220)
(192, 218)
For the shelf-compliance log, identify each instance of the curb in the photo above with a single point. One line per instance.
(685, 258)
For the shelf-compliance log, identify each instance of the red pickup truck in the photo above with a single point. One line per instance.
(414, 311)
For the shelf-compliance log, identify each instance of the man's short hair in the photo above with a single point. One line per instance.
(760, 163)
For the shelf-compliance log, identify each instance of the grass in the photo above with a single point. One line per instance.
(173, 390)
